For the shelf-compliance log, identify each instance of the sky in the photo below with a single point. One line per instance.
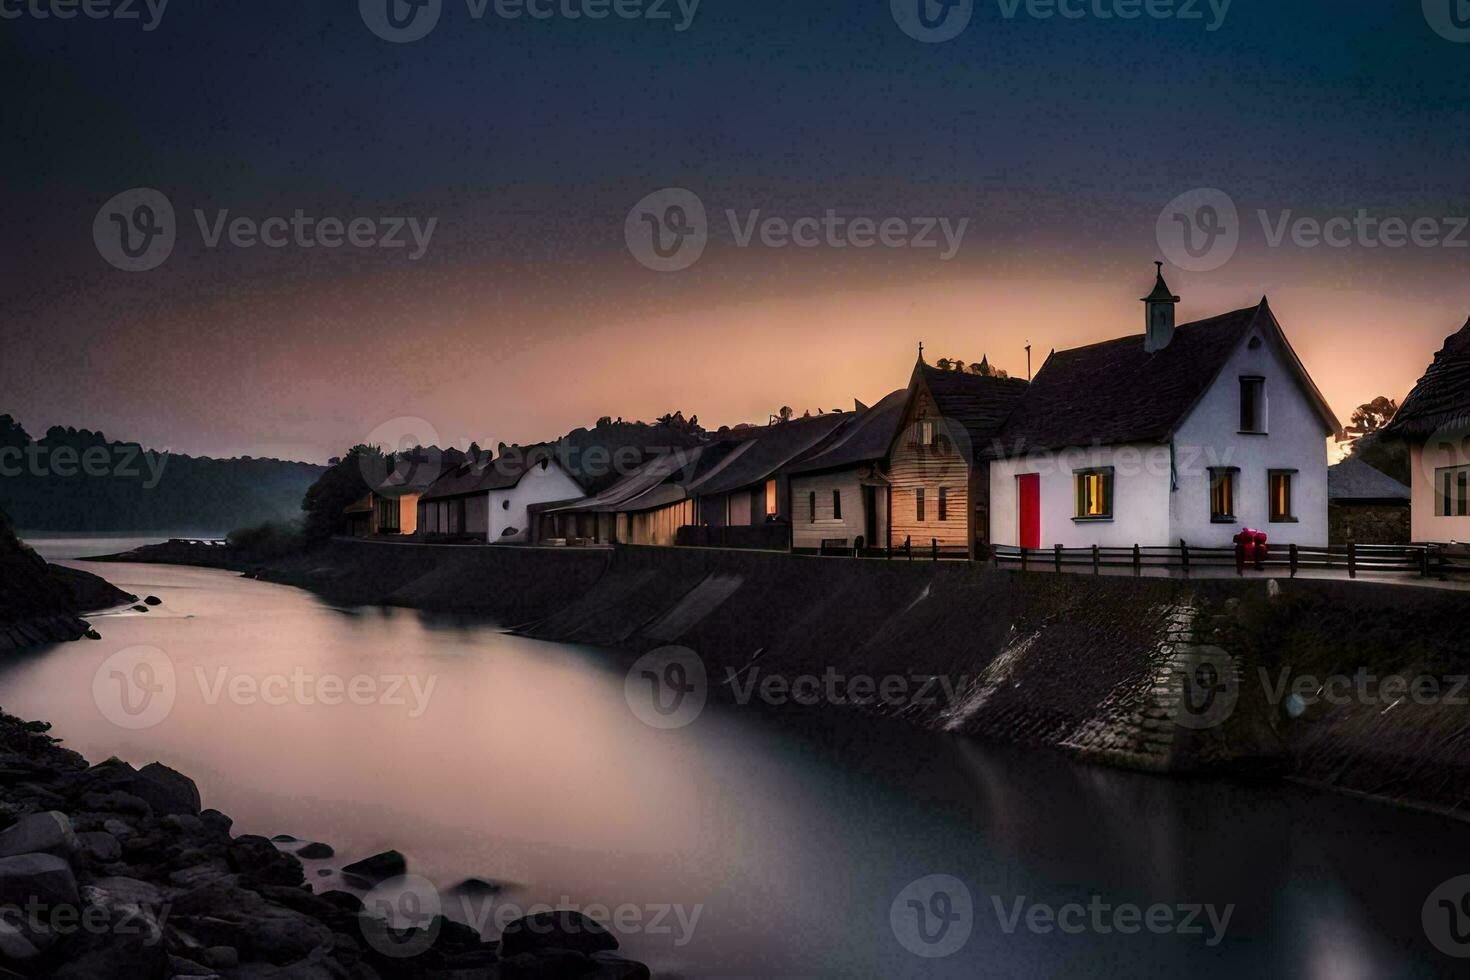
(858, 183)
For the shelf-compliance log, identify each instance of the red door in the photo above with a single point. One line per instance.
(1028, 489)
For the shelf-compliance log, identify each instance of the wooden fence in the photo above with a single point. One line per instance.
(1426, 561)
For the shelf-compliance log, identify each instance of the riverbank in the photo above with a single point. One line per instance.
(107, 871)
(1161, 675)
(44, 603)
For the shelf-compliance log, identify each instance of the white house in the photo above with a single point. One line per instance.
(492, 500)
(841, 492)
(1435, 421)
(1174, 434)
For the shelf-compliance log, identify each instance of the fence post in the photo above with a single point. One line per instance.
(1294, 560)
(1424, 563)
(1023, 557)
(908, 546)
(1137, 561)
(934, 549)
(1352, 559)
(1096, 561)
(1058, 551)
(888, 549)
(1184, 556)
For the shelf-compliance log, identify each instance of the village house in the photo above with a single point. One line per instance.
(646, 506)
(1365, 506)
(1435, 422)
(493, 500)
(937, 467)
(1186, 433)
(839, 495)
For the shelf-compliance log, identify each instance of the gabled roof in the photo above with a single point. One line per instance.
(864, 440)
(1117, 391)
(979, 403)
(1353, 479)
(769, 450)
(1441, 399)
(661, 480)
(501, 473)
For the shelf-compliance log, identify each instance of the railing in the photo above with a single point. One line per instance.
(1423, 560)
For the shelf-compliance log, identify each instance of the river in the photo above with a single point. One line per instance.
(745, 843)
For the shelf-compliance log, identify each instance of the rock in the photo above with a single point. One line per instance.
(199, 874)
(120, 890)
(284, 839)
(215, 822)
(185, 823)
(255, 856)
(379, 867)
(549, 964)
(100, 845)
(117, 802)
(17, 945)
(153, 600)
(612, 967)
(221, 957)
(479, 886)
(140, 608)
(121, 956)
(316, 851)
(117, 828)
(167, 790)
(559, 929)
(44, 878)
(92, 634)
(39, 833)
(180, 967)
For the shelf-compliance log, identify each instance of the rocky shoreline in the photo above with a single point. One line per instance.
(112, 872)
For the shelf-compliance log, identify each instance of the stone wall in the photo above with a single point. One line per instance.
(1351, 523)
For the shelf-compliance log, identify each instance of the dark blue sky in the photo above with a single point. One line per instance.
(529, 141)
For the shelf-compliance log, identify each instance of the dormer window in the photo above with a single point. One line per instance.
(926, 432)
(1253, 405)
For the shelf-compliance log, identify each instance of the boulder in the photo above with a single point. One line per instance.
(153, 600)
(548, 964)
(379, 867)
(257, 857)
(39, 833)
(316, 851)
(167, 790)
(44, 878)
(612, 967)
(117, 956)
(100, 845)
(558, 929)
(120, 890)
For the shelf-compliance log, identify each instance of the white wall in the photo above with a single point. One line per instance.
(539, 485)
(1424, 460)
(1295, 439)
(1140, 497)
(809, 534)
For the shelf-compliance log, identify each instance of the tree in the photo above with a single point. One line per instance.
(1369, 417)
(785, 413)
(343, 484)
(604, 421)
(1389, 456)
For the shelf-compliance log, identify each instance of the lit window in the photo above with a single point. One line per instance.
(919, 503)
(1252, 404)
(837, 505)
(926, 432)
(1222, 495)
(944, 503)
(1094, 494)
(1453, 499)
(1280, 491)
(771, 509)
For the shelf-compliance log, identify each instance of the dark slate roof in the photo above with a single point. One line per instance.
(1116, 391)
(1441, 399)
(768, 450)
(660, 480)
(864, 440)
(979, 403)
(502, 473)
(1353, 479)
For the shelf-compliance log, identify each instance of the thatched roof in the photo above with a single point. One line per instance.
(1441, 399)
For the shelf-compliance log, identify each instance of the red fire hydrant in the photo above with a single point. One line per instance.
(1250, 546)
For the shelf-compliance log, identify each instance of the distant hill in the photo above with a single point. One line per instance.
(79, 480)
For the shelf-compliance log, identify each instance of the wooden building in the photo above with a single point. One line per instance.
(839, 495)
(1365, 506)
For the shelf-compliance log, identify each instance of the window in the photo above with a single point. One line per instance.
(811, 507)
(926, 432)
(944, 503)
(1222, 494)
(919, 503)
(771, 509)
(1252, 404)
(1280, 493)
(1453, 498)
(1094, 494)
(837, 505)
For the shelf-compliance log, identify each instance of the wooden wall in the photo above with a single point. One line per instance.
(810, 534)
(656, 527)
(912, 466)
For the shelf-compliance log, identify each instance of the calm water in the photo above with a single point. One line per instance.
(524, 764)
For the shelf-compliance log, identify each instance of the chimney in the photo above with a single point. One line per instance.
(1158, 325)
